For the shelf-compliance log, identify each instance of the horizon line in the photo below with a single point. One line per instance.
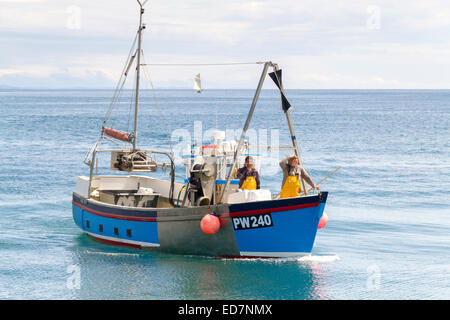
(190, 89)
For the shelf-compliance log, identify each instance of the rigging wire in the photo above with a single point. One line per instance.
(120, 83)
(147, 75)
(116, 97)
(202, 64)
(133, 93)
(171, 158)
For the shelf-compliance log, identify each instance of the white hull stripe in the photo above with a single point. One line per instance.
(274, 254)
(139, 243)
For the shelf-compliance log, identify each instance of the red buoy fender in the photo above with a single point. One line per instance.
(210, 224)
(323, 220)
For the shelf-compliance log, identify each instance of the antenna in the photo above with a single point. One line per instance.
(143, 3)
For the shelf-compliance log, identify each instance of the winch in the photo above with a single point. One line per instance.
(200, 187)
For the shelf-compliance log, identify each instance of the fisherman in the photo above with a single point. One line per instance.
(248, 176)
(292, 172)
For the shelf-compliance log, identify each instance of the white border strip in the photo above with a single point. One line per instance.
(274, 254)
(139, 243)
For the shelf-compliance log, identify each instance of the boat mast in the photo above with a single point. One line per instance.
(138, 73)
(291, 129)
(244, 130)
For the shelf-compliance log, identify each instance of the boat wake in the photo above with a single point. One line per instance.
(320, 258)
(310, 258)
(113, 254)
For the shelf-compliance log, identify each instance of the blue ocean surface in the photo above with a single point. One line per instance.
(388, 234)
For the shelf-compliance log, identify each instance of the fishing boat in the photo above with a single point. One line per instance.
(207, 213)
(198, 84)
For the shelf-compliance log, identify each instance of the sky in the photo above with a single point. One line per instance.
(319, 44)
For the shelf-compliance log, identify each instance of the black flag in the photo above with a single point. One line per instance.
(277, 79)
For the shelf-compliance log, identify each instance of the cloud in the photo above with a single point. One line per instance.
(321, 43)
(42, 77)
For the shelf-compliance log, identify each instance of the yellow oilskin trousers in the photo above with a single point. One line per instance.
(249, 183)
(291, 188)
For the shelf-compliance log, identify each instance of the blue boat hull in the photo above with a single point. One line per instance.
(272, 228)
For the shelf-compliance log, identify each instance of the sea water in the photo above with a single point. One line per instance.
(388, 234)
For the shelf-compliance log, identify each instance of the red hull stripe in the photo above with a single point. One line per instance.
(269, 210)
(233, 214)
(111, 215)
(117, 243)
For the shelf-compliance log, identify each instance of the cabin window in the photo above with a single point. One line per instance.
(116, 231)
(100, 228)
(88, 224)
(128, 232)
